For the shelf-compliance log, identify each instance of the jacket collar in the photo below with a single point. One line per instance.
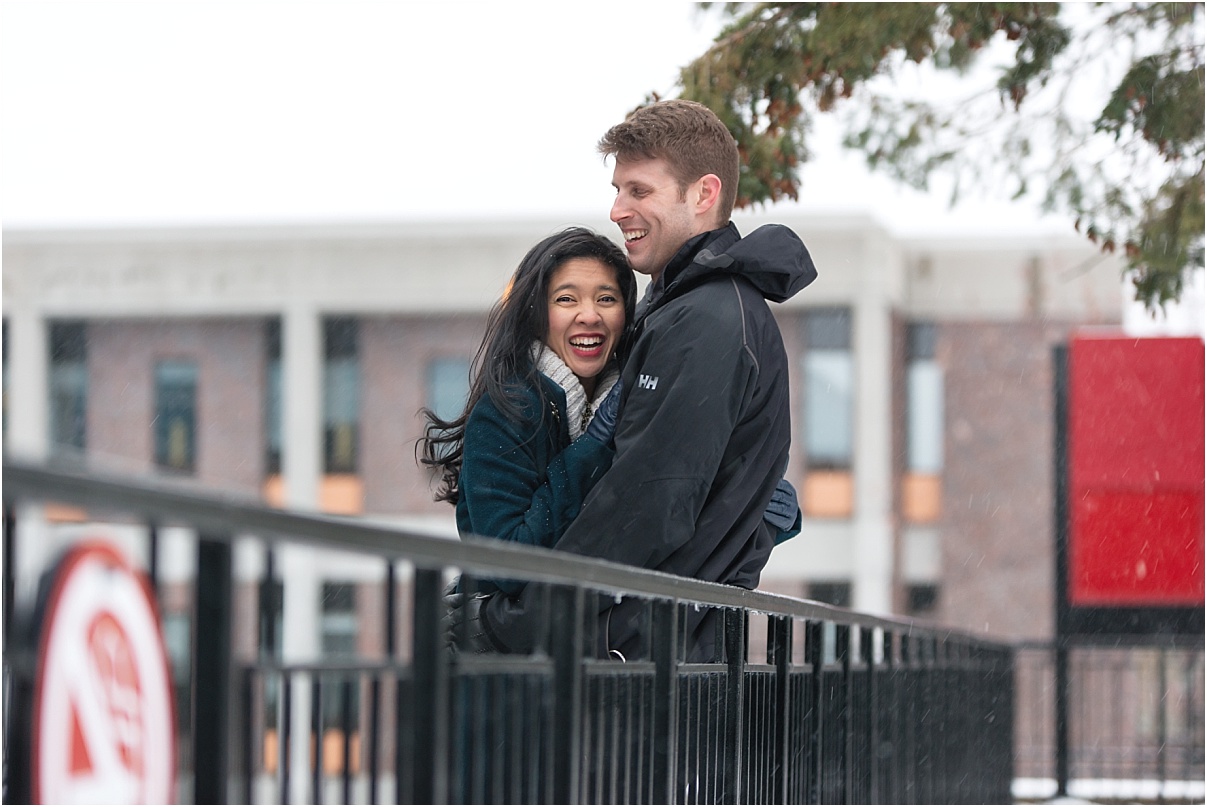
(713, 241)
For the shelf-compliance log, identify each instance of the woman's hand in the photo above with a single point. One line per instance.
(603, 425)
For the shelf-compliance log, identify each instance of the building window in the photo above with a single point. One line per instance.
(176, 415)
(447, 387)
(338, 625)
(921, 490)
(829, 378)
(831, 592)
(922, 599)
(68, 386)
(272, 403)
(341, 395)
(447, 391)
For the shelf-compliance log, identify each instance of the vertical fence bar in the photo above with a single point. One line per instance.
(929, 720)
(283, 756)
(374, 745)
(780, 644)
(664, 633)
(886, 772)
(907, 762)
(346, 707)
(429, 701)
(940, 703)
(267, 607)
(960, 732)
(868, 638)
(735, 696)
(17, 684)
(567, 650)
(212, 671)
(10, 574)
(949, 705)
(153, 558)
(1060, 456)
(391, 652)
(316, 737)
(816, 660)
(1063, 686)
(1004, 695)
(842, 649)
(16, 733)
(248, 730)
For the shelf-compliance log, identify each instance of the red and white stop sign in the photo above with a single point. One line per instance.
(103, 727)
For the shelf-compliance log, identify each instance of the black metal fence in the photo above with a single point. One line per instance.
(1135, 721)
(810, 704)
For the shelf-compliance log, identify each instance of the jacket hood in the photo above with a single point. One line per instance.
(772, 258)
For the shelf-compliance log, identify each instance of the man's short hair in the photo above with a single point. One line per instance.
(688, 136)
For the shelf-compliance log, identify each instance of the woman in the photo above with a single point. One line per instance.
(516, 463)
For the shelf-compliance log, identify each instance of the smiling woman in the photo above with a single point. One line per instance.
(519, 460)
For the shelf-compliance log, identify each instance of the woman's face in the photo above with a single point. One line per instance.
(586, 317)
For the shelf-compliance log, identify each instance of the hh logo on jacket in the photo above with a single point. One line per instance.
(647, 381)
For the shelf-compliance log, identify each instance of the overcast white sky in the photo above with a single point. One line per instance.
(245, 111)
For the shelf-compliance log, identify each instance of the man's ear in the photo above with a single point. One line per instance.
(708, 193)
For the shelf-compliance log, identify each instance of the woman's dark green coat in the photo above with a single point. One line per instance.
(525, 481)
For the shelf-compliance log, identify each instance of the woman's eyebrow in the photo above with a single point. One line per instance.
(574, 287)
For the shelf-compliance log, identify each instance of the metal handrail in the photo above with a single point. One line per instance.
(226, 514)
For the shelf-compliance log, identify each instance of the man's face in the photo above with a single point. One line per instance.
(655, 218)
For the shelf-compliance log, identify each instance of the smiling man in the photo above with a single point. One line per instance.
(704, 426)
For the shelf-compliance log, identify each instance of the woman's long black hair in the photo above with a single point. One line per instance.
(503, 363)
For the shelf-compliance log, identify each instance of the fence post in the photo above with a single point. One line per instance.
(567, 650)
(430, 692)
(842, 651)
(18, 681)
(867, 641)
(735, 696)
(891, 721)
(10, 574)
(1004, 694)
(1062, 720)
(153, 559)
(815, 659)
(928, 720)
(909, 737)
(664, 632)
(780, 629)
(212, 671)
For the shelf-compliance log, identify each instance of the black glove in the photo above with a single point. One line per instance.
(603, 425)
(462, 622)
(783, 512)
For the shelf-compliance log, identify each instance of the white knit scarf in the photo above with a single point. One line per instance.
(578, 408)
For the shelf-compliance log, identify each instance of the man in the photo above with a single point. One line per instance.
(704, 426)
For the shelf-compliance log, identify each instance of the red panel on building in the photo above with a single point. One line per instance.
(1135, 471)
